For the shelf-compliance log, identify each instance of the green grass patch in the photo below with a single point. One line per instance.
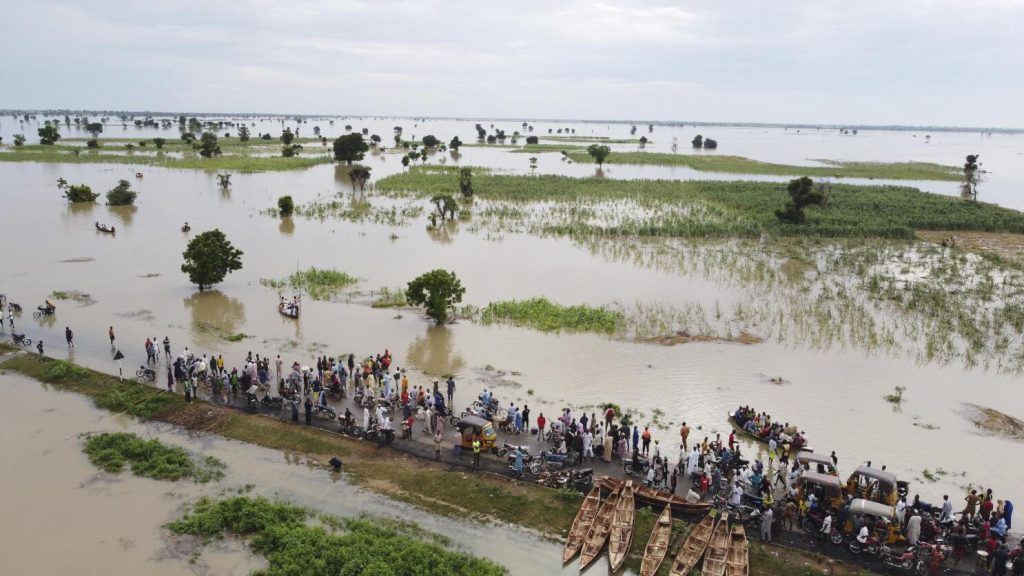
(389, 298)
(234, 159)
(597, 139)
(543, 314)
(279, 531)
(113, 451)
(709, 208)
(320, 284)
(741, 165)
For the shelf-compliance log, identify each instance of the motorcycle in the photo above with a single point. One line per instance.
(873, 545)
(639, 466)
(349, 427)
(372, 432)
(44, 311)
(507, 448)
(812, 525)
(324, 411)
(545, 457)
(907, 560)
(21, 339)
(143, 374)
(272, 401)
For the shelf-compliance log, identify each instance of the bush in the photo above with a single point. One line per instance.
(285, 206)
(159, 142)
(430, 141)
(93, 143)
(112, 451)
(532, 140)
(77, 192)
(121, 195)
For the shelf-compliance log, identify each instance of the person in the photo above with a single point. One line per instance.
(437, 444)
(69, 336)
(650, 476)
(187, 385)
(609, 415)
(220, 364)
(972, 503)
(39, 347)
(999, 560)
(914, 529)
(588, 446)
(541, 421)
(389, 430)
(606, 454)
(450, 382)
(772, 448)
(789, 515)
(1000, 528)
(766, 525)
(476, 450)
(826, 526)
(170, 378)
(636, 438)
(167, 347)
(518, 455)
(684, 433)
(947, 510)
(526, 416)
(309, 411)
(110, 333)
(674, 479)
(646, 437)
(1008, 514)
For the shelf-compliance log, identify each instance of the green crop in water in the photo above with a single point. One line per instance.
(320, 284)
(113, 451)
(338, 546)
(542, 314)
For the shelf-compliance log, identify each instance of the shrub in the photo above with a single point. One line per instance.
(93, 143)
(121, 195)
(285, 206)
(77, 192)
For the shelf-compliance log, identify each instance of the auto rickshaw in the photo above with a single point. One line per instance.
(827, 489)
(883, 517)
(470, 426)
(874, 485)
(816, 463)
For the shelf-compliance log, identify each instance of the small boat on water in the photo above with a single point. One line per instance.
(290, 308)
(798, 443)
(106, 229)
(598, 533)
(736, 561)
(657, 545)
(694, 547)
(581, 525)
(718, 549)
(186, 228)
(658, 498)
(621, 534)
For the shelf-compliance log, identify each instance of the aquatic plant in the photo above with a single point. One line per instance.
(319, 283)
(897, 396)
(113, 451)
(542, 314)
(280, 532)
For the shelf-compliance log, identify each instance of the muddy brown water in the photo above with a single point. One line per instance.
(135, 281)
(63, 516)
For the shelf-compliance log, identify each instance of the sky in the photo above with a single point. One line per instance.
(880, 62)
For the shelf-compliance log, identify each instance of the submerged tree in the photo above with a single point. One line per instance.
(48, 135)
(76, 192)
(287, 136)
(207, 146)
(243, 133)
(285, 206)
(446, 206)
(430, 141)
(122, 194)
(599, 153)
(95, 128)
(802, 193)
(466, 182)
(224, 180)
(970, 186)
(698, 141)
(350, 148)
(359, 175)
(19, 139)
(438, 290)
(209, 257)
(455, 143)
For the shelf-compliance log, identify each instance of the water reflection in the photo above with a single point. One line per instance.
(124, 213)
(214, 315)
(286, 226)
(434, 353)
(444, 231)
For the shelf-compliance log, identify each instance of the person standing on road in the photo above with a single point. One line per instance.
(476, 451)
(588, 446)
(170, 378)
(437, 444)
(636, 438)
(167, 347)
(526, 417)
(451, 389)
(646, 436)
(39, 347)
(69, 336)
(110, 333)
(766, 525)
(188, 390)
(309, 411)
(541, 421)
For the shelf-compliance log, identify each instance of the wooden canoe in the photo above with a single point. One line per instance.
(739, 429)
(581, 525)
(736, 562)
(621, 535)
(649, 495)
(693, 548)
(718, 549)
(598, 533)
(657, 545)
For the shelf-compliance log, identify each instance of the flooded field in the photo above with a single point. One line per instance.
(833, 382)
(105, 523)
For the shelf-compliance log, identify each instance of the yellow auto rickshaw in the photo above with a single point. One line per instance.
(816, 463)
(874, 485)
(827, 489)
(470, 426)
(881, 516)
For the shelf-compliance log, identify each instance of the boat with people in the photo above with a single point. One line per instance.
(761, 427)
(290, 308)
(694, 546)
(581, 525)
(657, 545)
(185, 227)
(105, 229)
(621, 534)
(718, 549)
(657, 498)
(737, 560)
(598, 533)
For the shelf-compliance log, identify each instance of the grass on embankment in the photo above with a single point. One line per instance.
(431, 486)
(112, 451)
(741, 165)
(720, 209)
(543, 314)
(240, 159)
(280, 532)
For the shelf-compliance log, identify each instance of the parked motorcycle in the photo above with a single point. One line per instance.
(639, 466)
(561, 460)
(143, 374)
(507, 448)
(324, 411)
(21, 339)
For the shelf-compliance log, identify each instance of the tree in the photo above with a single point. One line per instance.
(466, 182)
(359, 174)
(48, 135)
(802, 193)
(405, 161)
(291, 151)
(430, 141)
(188, 137)
(532, 140)
(446, 206)
(243, 133)
(159, 143)
(316, 131)
(224, 180)
(599, 153)
(287, 136)
(95, 128)
(533, 163)
(122, 194)
(438, 290)
(455, 143)
(285, 206)
(350, 148)
(92, 143)
(698, 141)
(643, 141)
(710, 144)
(209, 257)
(77, 192)
(19, 139)
(970, 187)
(208, 145)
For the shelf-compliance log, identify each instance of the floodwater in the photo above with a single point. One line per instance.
(63, 516)
(135, 285)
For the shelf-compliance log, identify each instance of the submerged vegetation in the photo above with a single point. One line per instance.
(112, 451)
(741, 165)
(542, 314)
(280, 532)
(320, 284)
